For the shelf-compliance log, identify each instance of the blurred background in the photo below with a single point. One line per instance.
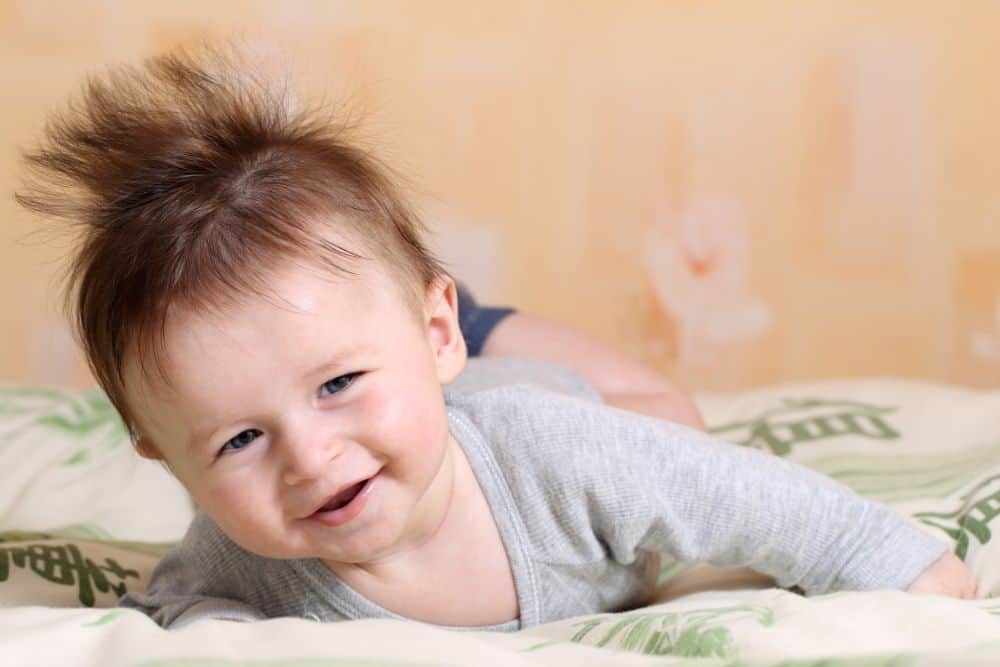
(739, 194)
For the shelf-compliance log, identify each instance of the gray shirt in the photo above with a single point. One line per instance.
(584, 496)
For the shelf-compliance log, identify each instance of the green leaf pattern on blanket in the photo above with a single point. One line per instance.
(884, 477)
(976, 510)
(691, 633)
(863, 661)
(88, 413)
(894, 479)
(809, 420)
(84, 418)
(66, 565)
(14, 400)
(105, 619)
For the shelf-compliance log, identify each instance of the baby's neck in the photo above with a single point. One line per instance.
(455, 553)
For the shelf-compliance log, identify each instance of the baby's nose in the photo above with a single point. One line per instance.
(308, 458)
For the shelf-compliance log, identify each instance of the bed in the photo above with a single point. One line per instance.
(83, 519)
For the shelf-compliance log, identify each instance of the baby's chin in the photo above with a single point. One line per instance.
(370, 546)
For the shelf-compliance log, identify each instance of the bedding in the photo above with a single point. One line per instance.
(83, 519)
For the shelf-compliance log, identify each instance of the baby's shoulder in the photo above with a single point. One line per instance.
(483, 373)
(569, 471)
(547, 437)
(521, 416)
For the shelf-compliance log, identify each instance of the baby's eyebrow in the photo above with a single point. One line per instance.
(337, 360)
(200, 436)
(336, 363)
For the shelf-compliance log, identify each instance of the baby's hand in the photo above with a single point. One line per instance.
(946, 576)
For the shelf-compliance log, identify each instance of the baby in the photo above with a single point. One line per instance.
(255, 298)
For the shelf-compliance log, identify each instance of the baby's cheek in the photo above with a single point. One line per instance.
(407, 428)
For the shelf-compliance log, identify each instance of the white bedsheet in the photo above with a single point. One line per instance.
(930, 451)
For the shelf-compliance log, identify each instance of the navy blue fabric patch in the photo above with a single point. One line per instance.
(476, 322)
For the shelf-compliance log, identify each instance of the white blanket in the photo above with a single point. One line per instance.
(82, 518)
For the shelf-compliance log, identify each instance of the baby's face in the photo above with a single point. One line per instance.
(311, 424)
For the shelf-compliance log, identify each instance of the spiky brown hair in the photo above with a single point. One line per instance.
(186, 178)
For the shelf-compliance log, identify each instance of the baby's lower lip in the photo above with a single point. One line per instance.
(342, 515)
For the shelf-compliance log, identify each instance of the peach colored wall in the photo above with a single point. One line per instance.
(739, 193)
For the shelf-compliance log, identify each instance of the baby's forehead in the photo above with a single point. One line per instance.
(207, 329)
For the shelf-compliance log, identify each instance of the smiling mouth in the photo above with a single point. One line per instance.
(346, 503)
(343, 498)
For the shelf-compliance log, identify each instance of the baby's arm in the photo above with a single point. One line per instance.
(642, 484)
(621, 381)
(795, 524)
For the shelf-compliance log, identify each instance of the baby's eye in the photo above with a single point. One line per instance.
(241, 440)
(337, 384)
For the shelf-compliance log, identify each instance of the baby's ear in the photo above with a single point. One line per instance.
(147, 449)
(443, 333)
